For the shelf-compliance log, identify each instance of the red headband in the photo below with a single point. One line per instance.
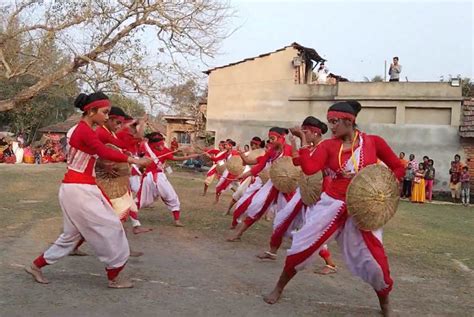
(276, 134)
(312, 129)
(256, 142)
(117, 117)
(341, 115)
(160, 142)
(102, 103)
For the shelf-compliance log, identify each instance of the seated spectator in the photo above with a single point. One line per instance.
(454, 181)
(418, 194)
(8, 155)
(465, 186)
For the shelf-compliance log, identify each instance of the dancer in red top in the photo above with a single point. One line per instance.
(131, 136)
(155, 183)
(87, 212)
(255, 144)
(256, 205)
(349, 151)
(227, 178)
(292, 216)
(212, 173)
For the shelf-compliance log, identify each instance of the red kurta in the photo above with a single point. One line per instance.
(327, 155)
(84, 145)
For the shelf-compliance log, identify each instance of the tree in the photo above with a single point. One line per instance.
(467, 87)
(105, 43)
(131, 106)
(50, 106)
(184, 98)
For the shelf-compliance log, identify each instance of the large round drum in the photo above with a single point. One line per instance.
(113, 177)
(310, 187)
(254, 154)
(235, 165)
(285, 175)
(372, 197)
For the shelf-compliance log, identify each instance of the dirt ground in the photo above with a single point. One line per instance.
(192, 271)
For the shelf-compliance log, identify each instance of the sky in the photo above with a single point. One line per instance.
(432, 39)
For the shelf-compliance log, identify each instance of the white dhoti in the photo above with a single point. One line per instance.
(88, 214)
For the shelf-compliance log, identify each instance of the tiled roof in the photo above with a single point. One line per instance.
(62, 127)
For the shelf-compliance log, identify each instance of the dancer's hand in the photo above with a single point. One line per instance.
(143, 161)
(296, 131)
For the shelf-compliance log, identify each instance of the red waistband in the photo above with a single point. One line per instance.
(73, 177)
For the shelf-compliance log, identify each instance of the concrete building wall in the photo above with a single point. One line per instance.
(246, 99)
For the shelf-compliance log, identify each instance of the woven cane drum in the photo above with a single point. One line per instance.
(285, 175)
(372, 197)
(113, 177)
(235, 165)
(310, 187)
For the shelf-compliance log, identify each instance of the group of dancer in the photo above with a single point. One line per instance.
(311, 227)
(89, 215)
(93, 212)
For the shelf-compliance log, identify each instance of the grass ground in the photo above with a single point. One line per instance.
(429, 246)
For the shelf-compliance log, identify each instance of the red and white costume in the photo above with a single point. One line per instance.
(155, 184)
(226, 180)
(212, 173)
(87, 213)
(124, 206)
(362, 250)
(131, 144)
(257, 203)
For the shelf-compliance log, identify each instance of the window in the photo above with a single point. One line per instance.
(183, 137)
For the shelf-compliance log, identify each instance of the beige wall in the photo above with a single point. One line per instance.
(246, 99)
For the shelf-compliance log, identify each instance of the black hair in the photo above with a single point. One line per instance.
(402, 153)
(154, 135)
(396, 57)
(279, 130)
(259, 141)
(465, 168)
(221, 142)
(117, 111)
(231, 142)
(431, 161)
(425, 157)
(315, 122)
(83, 100)
(457, 155)
(350, 106)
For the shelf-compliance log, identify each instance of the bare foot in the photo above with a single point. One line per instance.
(385, 306)
(78, 252)
(36, 273)
(140, 229)
(327, 269)
(120, 283)
(234, 239)
(267, 256)
(178, 223)
(273, 297)
(136, 254)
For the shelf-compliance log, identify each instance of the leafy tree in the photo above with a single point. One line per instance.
(105, 43)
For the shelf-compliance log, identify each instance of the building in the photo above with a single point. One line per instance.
(277, 89)
(61, 128)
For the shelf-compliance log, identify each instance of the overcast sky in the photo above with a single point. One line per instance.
(356, 37)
